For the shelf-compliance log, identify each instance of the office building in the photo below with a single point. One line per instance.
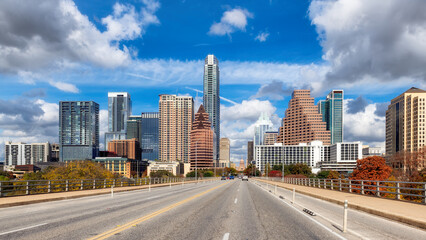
(302, 122)
(119, 110)
(225, 153)
(211, 100)
(242, 165)
(405, 122)
(201, 155)
(250, 152)
(149, 136)
(262, 125)
(129, 148)
(368, 151)
(270, 137)
(175, 118)
(78, 130)
(134, 127)
(339, 156)
(125, 167)
(176, 168)
(54, 152)
(20, 153)
(332, 111)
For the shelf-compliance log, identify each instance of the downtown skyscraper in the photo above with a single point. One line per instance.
(175, 119)
(119, 110)
(211, 99)
(332, 114)
(78, 130)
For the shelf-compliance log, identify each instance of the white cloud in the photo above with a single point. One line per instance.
(372, 41)
(262, 36)
(55, 34)
(231, 21)
(238, 121)
(365, 125)
(66, 87)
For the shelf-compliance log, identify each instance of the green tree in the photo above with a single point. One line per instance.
(78, 170)
(300, 168)
(208, 174)
(267, 168)
(323, 174)
(251, 170)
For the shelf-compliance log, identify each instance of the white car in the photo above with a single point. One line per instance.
(245, 178)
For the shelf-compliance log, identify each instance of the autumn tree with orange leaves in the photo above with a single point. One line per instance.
(371, 168)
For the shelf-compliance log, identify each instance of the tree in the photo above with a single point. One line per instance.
(275, 173)
(208, 174)
(407, 165)
(371, 168)
(334, 175)
(251, 170)
(161, 174)
(300, 168)
(78, 170)
(323, 174)
(267, 169)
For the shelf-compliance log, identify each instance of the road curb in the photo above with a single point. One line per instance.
(84, 193)
(398, 218)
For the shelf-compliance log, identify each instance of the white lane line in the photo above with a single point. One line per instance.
(21, 229)
(226, 236)
(236, 200)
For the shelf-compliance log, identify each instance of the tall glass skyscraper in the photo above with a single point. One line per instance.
(149, 135)
(134, 127)
(262, 125)
(211, 99)
(119, 110)
(78, 130)
(332, 114)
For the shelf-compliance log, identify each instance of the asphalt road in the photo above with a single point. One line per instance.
(217, 210)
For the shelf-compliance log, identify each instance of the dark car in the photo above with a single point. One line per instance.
(223, 178)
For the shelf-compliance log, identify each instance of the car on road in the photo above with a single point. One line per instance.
(231, 177)
(245, 178)
(223, 178)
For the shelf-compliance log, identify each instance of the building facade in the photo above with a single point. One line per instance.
(262, 125)
(225, 153)
(368, 151)
(332, 111)
(270, 138)
(211, 100)
(20, 153)
(149, 137)
(302, 122)
(54, 152)
(201, 154)
(119, 110)
(78, 130)
(315, 155)
(175, 120)
(405, 122)
(129, 148)
(134, 127)
(250, 151)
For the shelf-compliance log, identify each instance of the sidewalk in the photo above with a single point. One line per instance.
(47, 197)
(405, 212)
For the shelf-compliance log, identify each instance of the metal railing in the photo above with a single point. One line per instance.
(406, 191)
(27, 187)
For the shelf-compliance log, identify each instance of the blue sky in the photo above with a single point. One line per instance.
(80, 50)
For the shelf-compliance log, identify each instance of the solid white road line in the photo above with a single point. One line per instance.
(236, 200)
(21, 229)
(226, 236)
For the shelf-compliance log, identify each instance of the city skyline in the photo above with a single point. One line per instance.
(261, 60)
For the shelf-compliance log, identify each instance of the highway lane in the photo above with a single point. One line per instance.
(361, 224)
(215, 210)
(233, 209)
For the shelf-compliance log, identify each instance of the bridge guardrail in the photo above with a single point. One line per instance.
(405, 191)
(27, 187)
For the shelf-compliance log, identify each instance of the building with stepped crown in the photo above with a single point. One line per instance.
(302, 122)
(201, 154)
